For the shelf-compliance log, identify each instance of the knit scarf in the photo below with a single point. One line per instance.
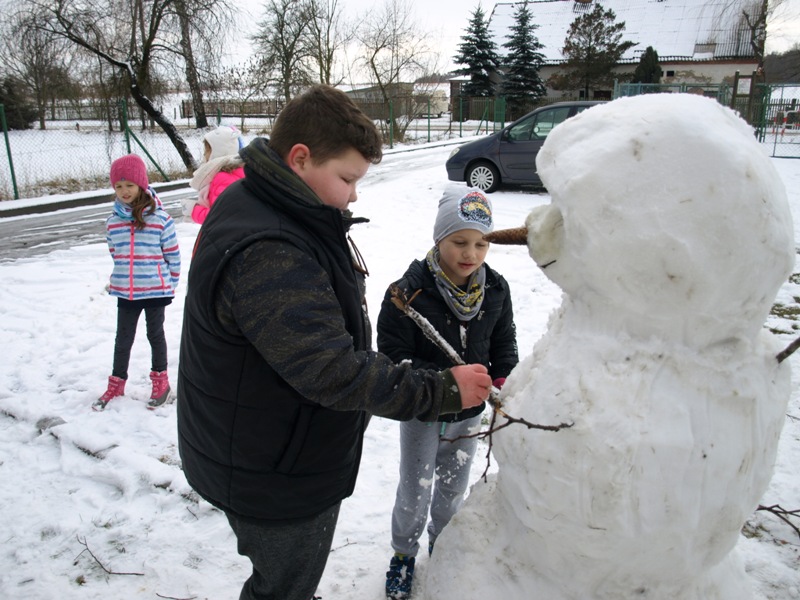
(465, 303)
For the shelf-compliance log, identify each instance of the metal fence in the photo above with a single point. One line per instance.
(75, 152)
(772, 109)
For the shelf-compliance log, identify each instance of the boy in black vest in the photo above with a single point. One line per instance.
(276, 378)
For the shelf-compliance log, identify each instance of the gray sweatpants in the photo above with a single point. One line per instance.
(433, 473)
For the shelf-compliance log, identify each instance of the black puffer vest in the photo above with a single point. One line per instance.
(249, 443)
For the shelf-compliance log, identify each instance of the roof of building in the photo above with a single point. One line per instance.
(698, 30)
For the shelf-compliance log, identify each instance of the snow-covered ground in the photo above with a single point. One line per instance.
(97, 507)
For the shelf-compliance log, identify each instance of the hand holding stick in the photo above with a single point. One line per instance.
(403, 304)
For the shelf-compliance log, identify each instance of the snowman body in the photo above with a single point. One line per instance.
(657, 357)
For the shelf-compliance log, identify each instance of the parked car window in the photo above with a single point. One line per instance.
(521, 132)
(508, 156)
(546, 120)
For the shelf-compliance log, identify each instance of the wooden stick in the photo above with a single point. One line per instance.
(788, 351)
(399, 300)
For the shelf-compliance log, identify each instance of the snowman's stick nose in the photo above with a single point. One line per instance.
(518, 236)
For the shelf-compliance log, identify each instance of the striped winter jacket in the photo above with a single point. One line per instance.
(147, 262)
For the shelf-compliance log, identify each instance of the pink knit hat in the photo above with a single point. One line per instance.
(129, 168)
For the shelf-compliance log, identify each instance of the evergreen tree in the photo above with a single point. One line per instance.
(20, 113)
(522, 84)
(592, 49)
(478, 53)
(648, 70)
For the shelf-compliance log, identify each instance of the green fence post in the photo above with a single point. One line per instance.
(500, 111)
(153, 160)
(485, 115)
(460, 115)
(219, 116)
(429, 119)
(4, 124)
(391, 125)
(129, 134)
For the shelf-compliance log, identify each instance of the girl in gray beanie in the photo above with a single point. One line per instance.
(469, 305)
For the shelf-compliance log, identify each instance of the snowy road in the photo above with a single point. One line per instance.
(34, 235)
(38, 234)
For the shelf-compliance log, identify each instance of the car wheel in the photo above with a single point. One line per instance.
(484, 176)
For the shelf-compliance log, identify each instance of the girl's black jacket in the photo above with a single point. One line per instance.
(490, 337)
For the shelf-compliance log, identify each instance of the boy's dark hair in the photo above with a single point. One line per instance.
(328, 122)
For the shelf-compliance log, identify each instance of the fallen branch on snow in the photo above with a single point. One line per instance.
(783, 514)
(82, 542)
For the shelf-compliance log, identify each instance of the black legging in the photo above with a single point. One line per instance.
(127, 318)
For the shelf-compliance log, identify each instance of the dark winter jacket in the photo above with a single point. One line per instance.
(275, 378)
(490, 336)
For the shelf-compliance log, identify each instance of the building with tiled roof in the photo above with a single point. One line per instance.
(699, 42)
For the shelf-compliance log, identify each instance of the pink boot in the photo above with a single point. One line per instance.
(161, 389)
(116, 387)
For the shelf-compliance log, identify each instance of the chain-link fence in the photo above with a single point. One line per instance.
(75, 152)
(772, 109)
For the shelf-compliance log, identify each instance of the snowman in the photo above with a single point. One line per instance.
(669, 234)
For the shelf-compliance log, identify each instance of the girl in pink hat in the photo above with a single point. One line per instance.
(147, 264)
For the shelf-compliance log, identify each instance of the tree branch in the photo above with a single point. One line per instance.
(82, 542)
(788, 351)
(783, 514)
(398, 298)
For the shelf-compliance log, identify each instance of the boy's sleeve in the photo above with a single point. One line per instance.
(281, 300)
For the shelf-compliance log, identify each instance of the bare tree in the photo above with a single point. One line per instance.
(127, 36)
(242, 83)
(37, 59)
(203, 25)
(755, 15)
(751, 24)
(395, 51)
(196, 91)
(281, 39)
(327, 34)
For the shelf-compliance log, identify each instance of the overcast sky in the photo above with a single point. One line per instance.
(447, 20)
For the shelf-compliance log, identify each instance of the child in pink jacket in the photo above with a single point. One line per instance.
(221, 166)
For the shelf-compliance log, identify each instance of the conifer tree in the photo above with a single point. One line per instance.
(18, 111)
(648, 70)
(478, 53)
(522, 84)
(592, 49)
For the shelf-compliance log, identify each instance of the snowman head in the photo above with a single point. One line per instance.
(666, 210)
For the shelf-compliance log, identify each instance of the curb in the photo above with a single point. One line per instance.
(100, 198)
